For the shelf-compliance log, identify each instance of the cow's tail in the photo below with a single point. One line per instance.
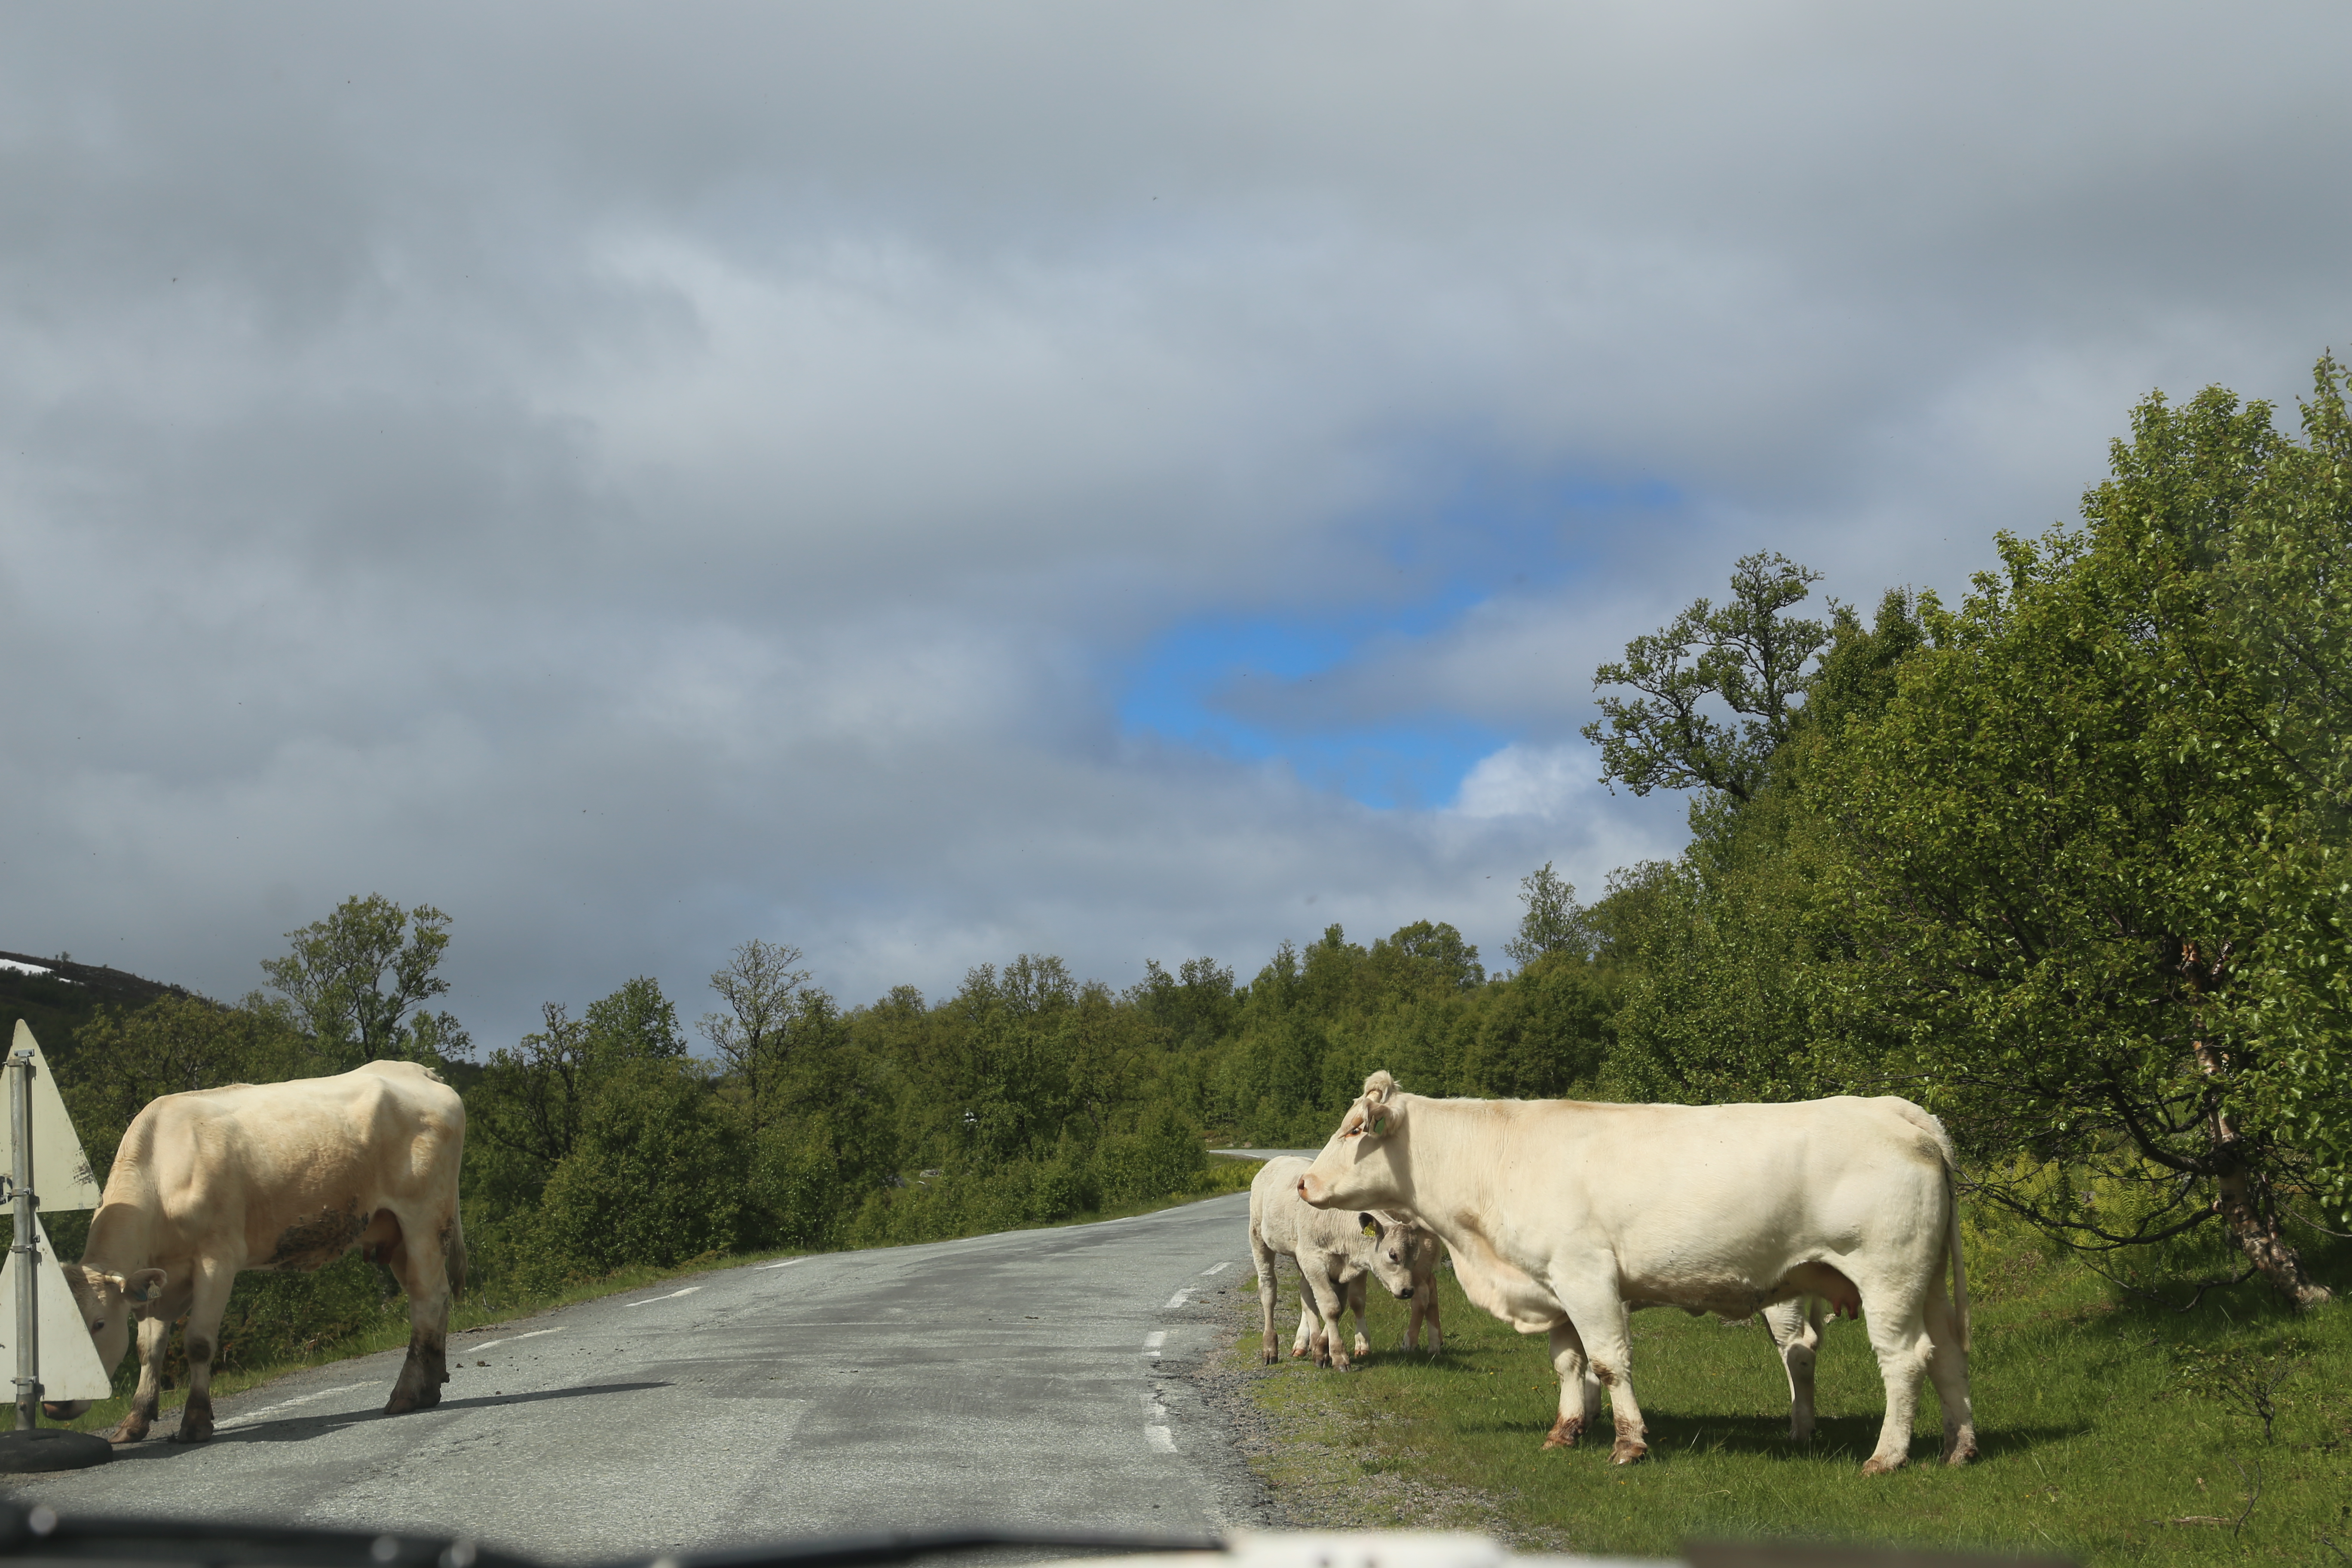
(1959, 1270)
(1934, 1127)
(456, 1255)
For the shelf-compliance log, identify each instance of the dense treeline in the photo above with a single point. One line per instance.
(2065, 862)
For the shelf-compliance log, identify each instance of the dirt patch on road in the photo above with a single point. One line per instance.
(1313, 1451)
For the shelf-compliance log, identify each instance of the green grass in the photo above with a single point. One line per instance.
(480, 1308)
(2093, 1442)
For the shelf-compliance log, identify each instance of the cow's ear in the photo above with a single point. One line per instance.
(1379, 1118)
(1370, 1225)
(144, 1286)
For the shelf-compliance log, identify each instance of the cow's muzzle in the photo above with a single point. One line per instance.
(1310, 1191)
(1405, 1294)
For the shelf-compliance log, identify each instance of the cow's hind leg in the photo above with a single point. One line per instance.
(1796, 1329)
(424, 1273)
(1579, 1391)
(206, 1305)
(1356, 1305)
(1264, 1255)
(1899, 1333)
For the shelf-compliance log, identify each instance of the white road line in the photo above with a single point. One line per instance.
(1178, 1299)
(673, 1296)
(286, 1404)
(787, 1263)
(1153, 1341)
(1219, 1268)
(493, 1344)
(1161, 1439)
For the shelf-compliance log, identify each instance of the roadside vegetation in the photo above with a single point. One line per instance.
(2114, 1430)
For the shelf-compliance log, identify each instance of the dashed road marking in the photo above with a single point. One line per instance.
(1153, 1341)
(493, 1344)
(1219, 1268)
(1161, 1439)
(1178, 1299)
(787, 1263)
(673, 1296)
(287, 1405)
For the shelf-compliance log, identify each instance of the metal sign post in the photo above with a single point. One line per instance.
(32, 1447)
(27, 1250)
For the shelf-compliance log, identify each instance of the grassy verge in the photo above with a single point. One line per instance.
(480, 1308)
(2108, 1428)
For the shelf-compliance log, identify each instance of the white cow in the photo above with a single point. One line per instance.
(1562, 1215)
(1334, 1253)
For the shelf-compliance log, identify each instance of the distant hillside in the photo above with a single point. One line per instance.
(59, 999)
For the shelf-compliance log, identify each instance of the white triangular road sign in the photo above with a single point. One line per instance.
(62, 1178)
(70, 1368)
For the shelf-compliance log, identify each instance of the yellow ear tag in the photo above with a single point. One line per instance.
(1372, 1230)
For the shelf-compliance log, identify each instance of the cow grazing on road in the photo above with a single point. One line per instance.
(1334, 1252)
(1561, 1215)
(280, 1176)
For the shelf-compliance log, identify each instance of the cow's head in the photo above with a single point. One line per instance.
(1359, 1167)
(107, 1302)
(1394, 1251)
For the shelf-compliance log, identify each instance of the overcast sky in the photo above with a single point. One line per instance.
(926, 483)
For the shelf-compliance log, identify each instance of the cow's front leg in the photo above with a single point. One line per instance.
(1579, 1391)
(1598, 1313)
(1356, 1305)
(209, 1302)
(1796, 1329)
(154, 1341)
(1330, 1305)
(1310, 1327)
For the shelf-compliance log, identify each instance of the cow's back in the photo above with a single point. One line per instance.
(299, 1167)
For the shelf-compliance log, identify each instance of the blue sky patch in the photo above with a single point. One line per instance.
(1243, 685)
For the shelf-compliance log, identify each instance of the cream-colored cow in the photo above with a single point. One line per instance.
(278, 1176)
(1561, 1215)
(1334, 1253)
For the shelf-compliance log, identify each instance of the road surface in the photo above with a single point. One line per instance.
(1030, 1378)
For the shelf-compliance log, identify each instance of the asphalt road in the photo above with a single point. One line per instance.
(1031, 1378)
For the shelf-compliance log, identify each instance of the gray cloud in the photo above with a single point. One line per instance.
(641, 480)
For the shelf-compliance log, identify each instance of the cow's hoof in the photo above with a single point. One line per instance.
(1299, 1351)
(127, 1433)
(1564, 1433)
(1874, 1465)
(1963, 1451)
(1271, 1357)
(1628, 1451)
(193, 1432)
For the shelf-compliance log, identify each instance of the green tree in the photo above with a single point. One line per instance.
(356, 981)
(123, 1059)
(1747, 656)
(763, 986)
(2096, 895)
(1552, 922)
